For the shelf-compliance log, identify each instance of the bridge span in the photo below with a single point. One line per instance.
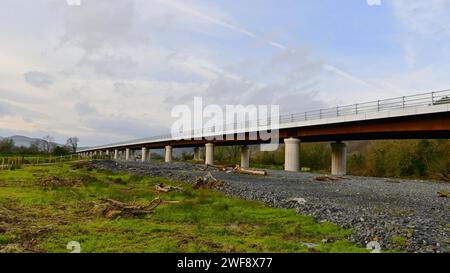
(421, 116)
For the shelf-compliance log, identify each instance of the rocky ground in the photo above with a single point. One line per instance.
(405, 214)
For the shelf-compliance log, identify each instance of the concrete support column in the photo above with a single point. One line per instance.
(149, 155)
(168, 154)
(292, 155)
(127, 154)
(116, 154)
(197, 153)
(107, 153)
(144, 154)
(245, 157)
(209, 154)
(338, 158)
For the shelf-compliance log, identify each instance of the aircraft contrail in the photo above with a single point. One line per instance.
(219, 22)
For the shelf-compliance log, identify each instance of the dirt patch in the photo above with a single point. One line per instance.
(12, 248)
(87, 165)
(55, 181)
(184, 239)
(21, 226)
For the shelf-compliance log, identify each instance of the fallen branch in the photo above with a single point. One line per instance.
(443, 194)
(162, 188)
(329, 178)
(207, 182)
(238, 169)
(218, 167)
(298, 200)
(113, 209)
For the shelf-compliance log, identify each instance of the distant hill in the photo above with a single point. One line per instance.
(23, 141)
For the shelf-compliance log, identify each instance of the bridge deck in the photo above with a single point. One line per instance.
(418, 116)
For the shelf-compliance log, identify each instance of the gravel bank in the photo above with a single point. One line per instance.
(406, 211)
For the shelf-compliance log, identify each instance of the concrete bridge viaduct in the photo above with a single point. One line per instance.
(421, 116)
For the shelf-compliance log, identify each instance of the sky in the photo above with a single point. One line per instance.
(112, 70)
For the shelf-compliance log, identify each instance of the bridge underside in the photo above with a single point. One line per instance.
(429, 126)
(425, 126)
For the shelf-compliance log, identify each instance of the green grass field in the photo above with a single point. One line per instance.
(36, 217)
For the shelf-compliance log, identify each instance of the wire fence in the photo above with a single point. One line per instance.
(16, 162)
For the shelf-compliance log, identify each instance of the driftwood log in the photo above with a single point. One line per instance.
(207, 182)
(238, 169)
(443, 194)
(329, 178)
(235, 169)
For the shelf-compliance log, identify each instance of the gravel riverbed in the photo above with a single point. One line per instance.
(398, 213)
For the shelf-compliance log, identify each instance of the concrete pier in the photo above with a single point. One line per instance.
(338, 158)
(127, 154)
(292, 155)
(144, 154)
(168, 154)
(209, 154)
(116, 154)
(245, 157)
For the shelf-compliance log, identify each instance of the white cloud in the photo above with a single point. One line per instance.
(84, 108)
(428, 18)
(38, 79)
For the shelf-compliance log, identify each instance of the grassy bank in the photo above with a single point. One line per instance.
(37, 215)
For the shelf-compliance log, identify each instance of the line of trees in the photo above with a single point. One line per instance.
(425, 159)
(46, 145)
(429, 159)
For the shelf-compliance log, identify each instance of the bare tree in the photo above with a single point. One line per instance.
(48, 143)
(233, 152)
(72, 142)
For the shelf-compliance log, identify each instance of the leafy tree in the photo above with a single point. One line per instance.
(6, 146)
(61, 151)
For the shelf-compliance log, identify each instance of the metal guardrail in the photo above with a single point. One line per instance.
(424, 99)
